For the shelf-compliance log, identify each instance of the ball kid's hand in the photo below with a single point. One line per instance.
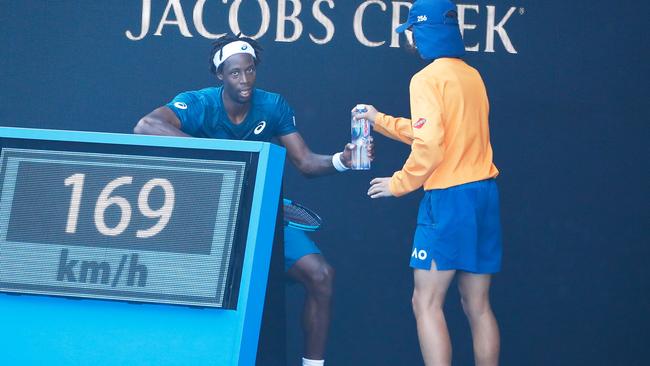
(370, 114)
(380, 187)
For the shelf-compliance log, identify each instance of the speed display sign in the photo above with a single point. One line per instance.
(119, 223)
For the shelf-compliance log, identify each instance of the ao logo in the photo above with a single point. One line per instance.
(260, 127)
(419, 254)
(180, 105)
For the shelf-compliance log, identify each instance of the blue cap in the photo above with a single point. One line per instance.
(435, 28)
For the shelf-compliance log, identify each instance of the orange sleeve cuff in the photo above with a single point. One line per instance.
(380, 123)
(394, 188)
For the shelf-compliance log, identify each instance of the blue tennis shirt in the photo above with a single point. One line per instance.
(202, 114)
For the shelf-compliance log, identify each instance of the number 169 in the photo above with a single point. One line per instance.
(105, 200)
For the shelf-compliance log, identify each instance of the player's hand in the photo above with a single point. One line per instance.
(346, 154)
(370, 114)
(379, 187)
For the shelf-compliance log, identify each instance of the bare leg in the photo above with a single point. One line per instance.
(317, 276)
(428, 299)
(475, 297)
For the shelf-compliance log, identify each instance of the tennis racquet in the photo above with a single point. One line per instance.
(300, 217)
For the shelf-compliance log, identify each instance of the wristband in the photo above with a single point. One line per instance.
(338, 164)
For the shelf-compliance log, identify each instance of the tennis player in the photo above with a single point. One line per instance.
(239, 111)
(458, 226)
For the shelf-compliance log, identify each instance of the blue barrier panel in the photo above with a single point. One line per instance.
(165, 242)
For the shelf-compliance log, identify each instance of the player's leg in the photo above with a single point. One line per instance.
(305, 264)
(317, 276)
(428, 299)
(475, 297)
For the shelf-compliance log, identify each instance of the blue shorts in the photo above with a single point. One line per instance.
(296, 245)
(459, 228)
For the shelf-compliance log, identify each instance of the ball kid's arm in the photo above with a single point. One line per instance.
(396, 128)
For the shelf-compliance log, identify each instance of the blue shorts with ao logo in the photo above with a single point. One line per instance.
(459, 228)
(297, 245)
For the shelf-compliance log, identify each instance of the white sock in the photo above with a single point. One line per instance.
(308, 362)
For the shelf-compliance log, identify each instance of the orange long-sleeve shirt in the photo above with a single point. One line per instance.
(448, 131)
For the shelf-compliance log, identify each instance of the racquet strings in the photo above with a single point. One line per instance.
(299, 215)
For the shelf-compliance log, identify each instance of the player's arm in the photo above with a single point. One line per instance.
(307, 162)
(161, 121)
(396, 128)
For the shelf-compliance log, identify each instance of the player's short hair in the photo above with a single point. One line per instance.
(229, 38)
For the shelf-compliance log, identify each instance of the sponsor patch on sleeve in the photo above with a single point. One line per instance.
(180, 105)
(419, 123)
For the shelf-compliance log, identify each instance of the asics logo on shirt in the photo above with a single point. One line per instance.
(259, 128)
(419, 254)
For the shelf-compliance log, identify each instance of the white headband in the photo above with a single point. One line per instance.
(230, 49)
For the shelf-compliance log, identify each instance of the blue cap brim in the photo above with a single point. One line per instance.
(403, 27)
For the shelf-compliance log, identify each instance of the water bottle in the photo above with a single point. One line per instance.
(360, 139)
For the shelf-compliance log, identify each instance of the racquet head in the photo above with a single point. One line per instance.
(300, 217)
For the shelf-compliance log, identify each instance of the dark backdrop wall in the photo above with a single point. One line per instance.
(568, 83)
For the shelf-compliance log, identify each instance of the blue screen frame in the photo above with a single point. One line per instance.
(65, 331)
